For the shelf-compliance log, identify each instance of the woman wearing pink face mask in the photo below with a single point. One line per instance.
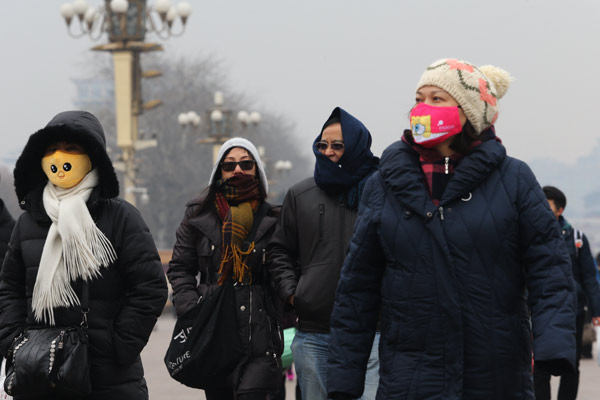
(457, 252)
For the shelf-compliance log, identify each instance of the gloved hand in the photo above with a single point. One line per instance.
(556, 367)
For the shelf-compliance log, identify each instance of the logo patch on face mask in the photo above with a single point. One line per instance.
(65, 169)
(432, 125)
(421, 125)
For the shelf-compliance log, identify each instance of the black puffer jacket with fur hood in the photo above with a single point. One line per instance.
(129, 296)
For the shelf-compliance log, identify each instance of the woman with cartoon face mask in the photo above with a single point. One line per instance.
(457, 248)
(74, 230)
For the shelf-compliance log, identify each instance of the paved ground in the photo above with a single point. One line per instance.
(161, 385)
(589, 381)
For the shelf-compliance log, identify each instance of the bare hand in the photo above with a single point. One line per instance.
(291, 301)
(596, 321)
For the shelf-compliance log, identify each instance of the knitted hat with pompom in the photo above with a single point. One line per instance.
(477, 90)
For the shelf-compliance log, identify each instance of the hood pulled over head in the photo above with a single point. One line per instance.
(357, 161)
(247, 145)
(78, 127)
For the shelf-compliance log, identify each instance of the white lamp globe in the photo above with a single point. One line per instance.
(255, 117)
(243, 117)
(162, 6)
(90, 15)
(80, 7)
(67, 10)
(182, 118)
(216, 115)
(119, 6)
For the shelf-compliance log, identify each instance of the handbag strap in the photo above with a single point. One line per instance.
(258, 217)
(85, 307)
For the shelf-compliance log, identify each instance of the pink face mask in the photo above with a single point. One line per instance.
(431, 125)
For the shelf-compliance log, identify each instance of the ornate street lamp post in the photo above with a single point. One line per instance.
(126, 23)
(221, 125)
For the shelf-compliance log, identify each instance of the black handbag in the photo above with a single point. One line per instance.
(206, 346)
(51, 361)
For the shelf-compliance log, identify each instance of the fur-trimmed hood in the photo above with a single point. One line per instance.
(79, 127)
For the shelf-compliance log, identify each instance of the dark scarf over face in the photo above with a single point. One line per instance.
(347, 177)
(235, 201)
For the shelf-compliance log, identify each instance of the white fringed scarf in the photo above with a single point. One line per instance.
(74, 248)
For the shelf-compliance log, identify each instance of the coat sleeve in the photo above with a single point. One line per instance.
(145, 286)
(183, 267)
(13, 299)
(356, 309)
(587, 271)
(283, 250)
(5, 231)
(550, 284)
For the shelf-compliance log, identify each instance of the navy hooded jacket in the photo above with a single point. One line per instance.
(450, 283)
(584, 269)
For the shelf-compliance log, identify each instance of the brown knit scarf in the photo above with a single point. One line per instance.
(236, 200)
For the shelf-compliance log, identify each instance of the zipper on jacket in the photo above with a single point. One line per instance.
(446, 165)
(321, 220)
(441, 209)
(250, 317)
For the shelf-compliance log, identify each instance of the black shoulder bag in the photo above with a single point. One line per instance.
(205, 346)
(51, 360)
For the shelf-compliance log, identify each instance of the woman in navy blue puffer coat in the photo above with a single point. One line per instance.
(457, 252)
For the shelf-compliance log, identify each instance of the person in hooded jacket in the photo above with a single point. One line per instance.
(588, 294)
(209, 243)
(452, 236)
(310, 242)
(7, 223)
(76, 229)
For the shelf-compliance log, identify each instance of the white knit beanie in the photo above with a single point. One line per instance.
(245, 144)
(477, 90)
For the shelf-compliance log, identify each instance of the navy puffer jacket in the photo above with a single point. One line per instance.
(451, 283)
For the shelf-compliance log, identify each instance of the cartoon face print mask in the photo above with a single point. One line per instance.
(65, 168)
(431, 125)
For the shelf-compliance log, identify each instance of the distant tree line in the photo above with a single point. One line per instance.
(179, 167)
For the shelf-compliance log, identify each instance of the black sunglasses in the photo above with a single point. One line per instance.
(336, 146)
(245, 165)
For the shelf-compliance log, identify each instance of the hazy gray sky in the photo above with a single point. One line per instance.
(303, 58)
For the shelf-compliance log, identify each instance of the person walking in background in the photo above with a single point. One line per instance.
(6, 226)
(214, 227)
(589, 331)
(310, 242)
(451, 235)
(588, 292)
(74, 230)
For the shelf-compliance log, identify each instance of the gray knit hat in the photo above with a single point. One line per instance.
(477, 90)
(245, 144)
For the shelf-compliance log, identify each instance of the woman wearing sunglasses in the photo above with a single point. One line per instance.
(458, 254)
(213, 246)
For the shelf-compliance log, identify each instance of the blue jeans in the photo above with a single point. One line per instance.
(310, 352)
